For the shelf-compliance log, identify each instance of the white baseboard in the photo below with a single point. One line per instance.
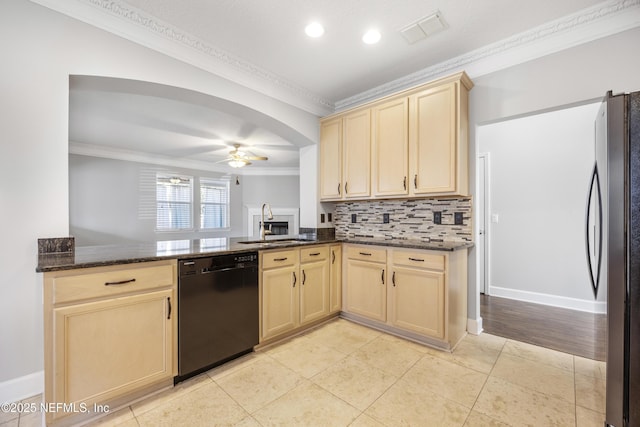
(474, 326)
(598, 307)
(20, 388)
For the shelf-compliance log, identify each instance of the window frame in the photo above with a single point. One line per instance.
(166, 176)
(227, 205)
(196, 205)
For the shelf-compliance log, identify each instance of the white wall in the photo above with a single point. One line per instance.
(575, 75)
(40, 49)
(540, 167)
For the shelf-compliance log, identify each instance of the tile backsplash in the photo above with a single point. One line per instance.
(408, 219)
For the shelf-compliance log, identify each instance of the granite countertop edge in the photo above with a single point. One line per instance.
(107, 255)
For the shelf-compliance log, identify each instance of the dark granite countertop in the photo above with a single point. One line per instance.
(96, 256)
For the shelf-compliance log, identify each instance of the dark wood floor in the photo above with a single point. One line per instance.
(570, 331)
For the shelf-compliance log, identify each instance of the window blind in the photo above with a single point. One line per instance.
(174, 203)
(214, 204)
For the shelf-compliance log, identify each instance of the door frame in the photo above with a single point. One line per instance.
(483, 254)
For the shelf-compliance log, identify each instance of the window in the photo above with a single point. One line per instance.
(214, 204)
(174, 203)
(183, 203)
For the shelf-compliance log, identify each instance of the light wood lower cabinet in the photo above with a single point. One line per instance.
(335, 285)
(109, 332)
(417, 293)
(314, 283)
(279, 301)
(295, 289)
(417, 301)
(366, 287)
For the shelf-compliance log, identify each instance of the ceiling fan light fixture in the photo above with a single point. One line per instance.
(238, 163)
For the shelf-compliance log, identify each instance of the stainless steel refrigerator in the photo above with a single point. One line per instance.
(613, 249)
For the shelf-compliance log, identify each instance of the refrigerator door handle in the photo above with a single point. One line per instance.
(596, 238)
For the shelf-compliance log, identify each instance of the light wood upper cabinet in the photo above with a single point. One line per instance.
(331, 159)
(415, 145)
(356, 144)
(390, 148)
(438, 159)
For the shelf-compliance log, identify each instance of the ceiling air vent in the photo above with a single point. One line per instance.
(423, 28)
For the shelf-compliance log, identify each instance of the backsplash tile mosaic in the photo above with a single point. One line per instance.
(408, 219)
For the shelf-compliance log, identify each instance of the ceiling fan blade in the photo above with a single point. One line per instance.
(256, 157)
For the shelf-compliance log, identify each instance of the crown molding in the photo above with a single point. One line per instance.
(113, 153)
(139, 27)
(584, 26)
(116, 17)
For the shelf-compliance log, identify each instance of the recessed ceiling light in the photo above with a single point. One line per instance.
(371, 37)
(314, 30)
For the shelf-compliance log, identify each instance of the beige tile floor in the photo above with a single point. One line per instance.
(344, 374)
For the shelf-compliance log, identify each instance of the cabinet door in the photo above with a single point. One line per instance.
(432, 136)
(331, 159)
(417, 301)
(366, 290)
(356, 144)
(314, 291)
(335, 287)
(279, 301)
(106, 348)
(390, 143)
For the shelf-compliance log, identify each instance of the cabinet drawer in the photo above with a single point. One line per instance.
(273, 259)
(366, 253)
(314, 253)
(75, 285)
(419, 259)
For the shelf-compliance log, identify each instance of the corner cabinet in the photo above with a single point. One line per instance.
(110, 332)
(297, 289)
(416, 146)
(418, 294)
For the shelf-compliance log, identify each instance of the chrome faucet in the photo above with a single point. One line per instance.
(263, 231)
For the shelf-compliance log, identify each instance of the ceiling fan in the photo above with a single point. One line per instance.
(239, 157)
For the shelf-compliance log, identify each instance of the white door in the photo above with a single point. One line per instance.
(482, 229)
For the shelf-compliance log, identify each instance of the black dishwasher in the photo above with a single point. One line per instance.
(217, 310)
